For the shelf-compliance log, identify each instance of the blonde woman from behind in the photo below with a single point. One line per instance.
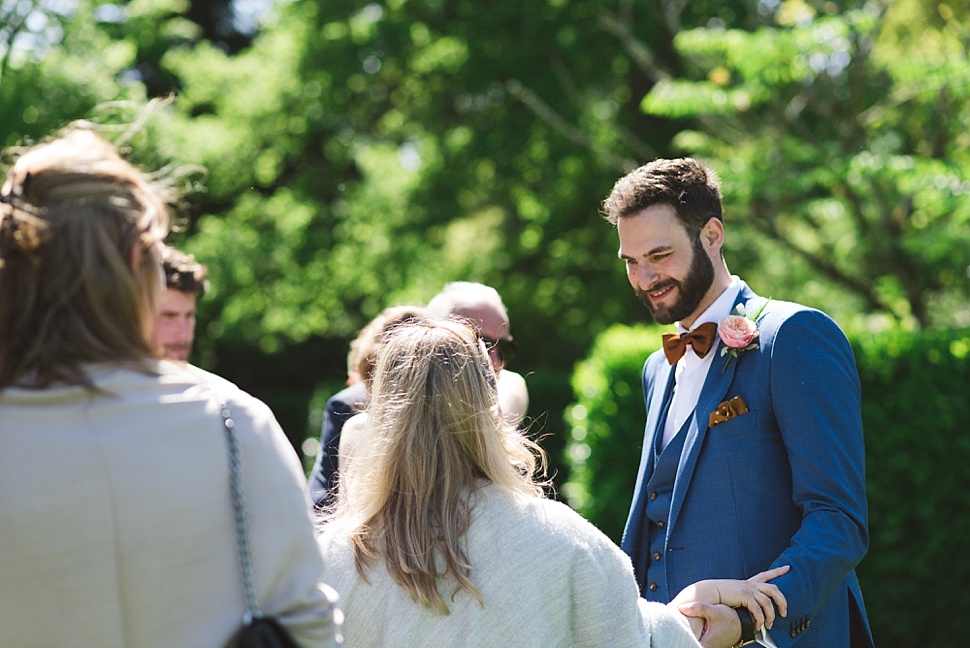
(442, 537)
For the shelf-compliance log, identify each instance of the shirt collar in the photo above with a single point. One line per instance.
(721, 307)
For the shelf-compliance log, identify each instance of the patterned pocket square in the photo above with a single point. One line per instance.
(727, 411)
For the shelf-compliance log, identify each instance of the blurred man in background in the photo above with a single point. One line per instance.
(185, 282)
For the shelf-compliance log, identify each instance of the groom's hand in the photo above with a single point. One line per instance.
(759, 597)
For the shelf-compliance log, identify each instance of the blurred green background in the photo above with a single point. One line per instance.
(340, 157)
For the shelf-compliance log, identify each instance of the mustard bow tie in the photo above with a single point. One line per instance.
(701, 339)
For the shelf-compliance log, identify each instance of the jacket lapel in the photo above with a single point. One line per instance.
(712, 394)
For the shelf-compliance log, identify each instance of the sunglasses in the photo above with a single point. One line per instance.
(505, 346)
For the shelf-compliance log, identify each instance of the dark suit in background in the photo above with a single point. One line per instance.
(340, 407)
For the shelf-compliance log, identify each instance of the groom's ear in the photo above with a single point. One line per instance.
(712, 234)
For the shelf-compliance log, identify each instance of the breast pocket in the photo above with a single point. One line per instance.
(739, 426)
(747, 439)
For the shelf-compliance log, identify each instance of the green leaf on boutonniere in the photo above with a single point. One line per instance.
(739, 332)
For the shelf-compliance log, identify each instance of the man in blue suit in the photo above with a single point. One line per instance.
(753, 452)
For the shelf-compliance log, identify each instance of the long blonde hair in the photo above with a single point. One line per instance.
(364, 346)
(436, 437)
(80, 264)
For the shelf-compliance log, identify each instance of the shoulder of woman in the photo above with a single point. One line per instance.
(553, 520)
(511, 378)
(350, 436)
(333, 542)
(356, 423)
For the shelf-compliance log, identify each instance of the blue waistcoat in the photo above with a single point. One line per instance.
(660, 488)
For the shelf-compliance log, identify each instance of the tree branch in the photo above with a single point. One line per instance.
(641, 55)
(640, 148)
(576, 135)
(858, 286)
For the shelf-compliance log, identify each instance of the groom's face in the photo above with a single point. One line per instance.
(670, 271)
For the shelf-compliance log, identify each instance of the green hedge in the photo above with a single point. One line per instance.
(915, 405)
(916, 402)
(606, 426)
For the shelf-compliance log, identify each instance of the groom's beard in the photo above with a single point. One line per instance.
(691, 289)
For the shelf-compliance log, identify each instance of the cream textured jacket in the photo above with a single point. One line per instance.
(116, 525)
(547, 576)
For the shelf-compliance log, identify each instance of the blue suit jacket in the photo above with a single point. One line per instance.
(322, 483)
(783, 484)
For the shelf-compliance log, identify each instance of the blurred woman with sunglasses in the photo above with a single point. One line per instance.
(118, 527)
(442, 537)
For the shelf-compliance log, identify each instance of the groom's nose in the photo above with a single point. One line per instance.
(644, 276)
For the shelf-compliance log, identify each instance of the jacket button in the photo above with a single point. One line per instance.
(660, 524)
(657, 555)
(653, 496)
(653, 587)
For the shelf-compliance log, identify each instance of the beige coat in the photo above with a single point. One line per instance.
(116, 525)
(547, 576)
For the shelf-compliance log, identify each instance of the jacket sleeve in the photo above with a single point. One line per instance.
(322, 476)
(816, 401)
(606, 606)
(286, 558)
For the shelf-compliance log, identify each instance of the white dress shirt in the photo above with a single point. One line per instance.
(691, 371)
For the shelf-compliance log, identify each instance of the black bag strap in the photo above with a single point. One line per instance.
(240, 515)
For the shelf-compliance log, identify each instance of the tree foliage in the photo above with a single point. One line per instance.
(357, 156)
(842, 138)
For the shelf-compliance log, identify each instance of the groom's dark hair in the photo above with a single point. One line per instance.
(692, 189)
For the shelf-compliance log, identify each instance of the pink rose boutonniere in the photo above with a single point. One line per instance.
(739, 332)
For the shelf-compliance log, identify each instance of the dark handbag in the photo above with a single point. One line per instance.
(258, 631)
(264, 632)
